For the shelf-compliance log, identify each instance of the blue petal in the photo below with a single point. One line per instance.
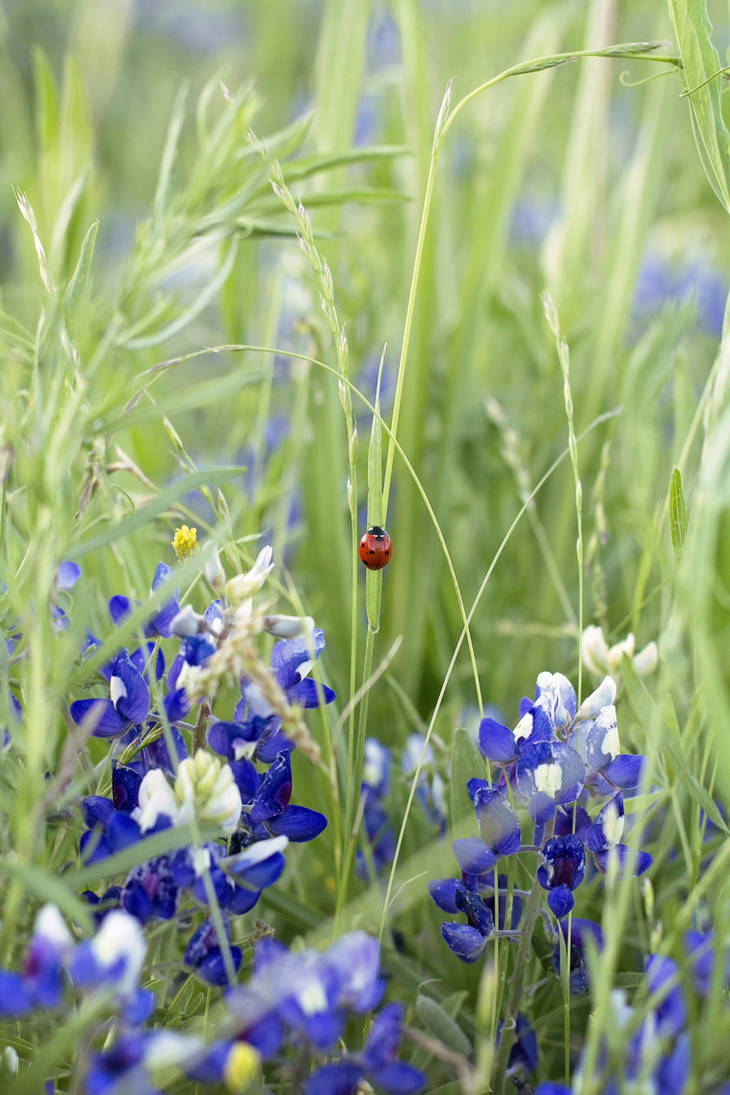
(274, 793)
(119, 607)
(177, 705)
(497, 742)
(196, 649)
(141, 660)
(15, 994)
(443, 893)
(68, 574)
(122, 831)
(466, 942)
(102, 715)
(269, 748)
(341, 1078)
(247, 778)
(561, 901)
(641, 861)
(475, 785)
(135, 704)
(125, 788)
(626, 770)
(212, 969)
(473, 856)
(230, 739)
(243, 900)
(385, 1037)
(96, 810)
(399, 1078)
(671, 1013)
(263, 874)
(298, 823)
(498, 822)
(139, 1007)
(309, 693)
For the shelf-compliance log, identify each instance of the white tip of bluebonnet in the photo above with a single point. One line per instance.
(200, 858)
(258, 852)
(155, 798)
(603, 696)
(213, 570)
(612, 821)
(646, 660)
(49, 925)
(523, 729)
(594, 650)
(548, 778)
(117, 691)
(413, 751)
(167, 1049)
(186, 623)
(377, 764)
(288, 627)
(246, 585)
(120, 936)
(556, 697)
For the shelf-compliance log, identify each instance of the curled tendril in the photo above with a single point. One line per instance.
(625, 82)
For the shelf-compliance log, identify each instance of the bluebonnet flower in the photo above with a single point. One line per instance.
(111, 959)
(701, 949)
(656, 1054)
(556, 753)
(158, 625)
(600, 659)
(377, 1063)
(42, 981)
(662, 280)
(561, 871)
(523, 1054)
(431, 789)
(206, 956)
(477, 857)
(307, 996)
(139, 1060)
(376, 819)
(582, 933)
(291, 662)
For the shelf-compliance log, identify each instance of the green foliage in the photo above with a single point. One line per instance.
(151, 273)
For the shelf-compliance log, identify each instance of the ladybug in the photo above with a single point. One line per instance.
(375, 548)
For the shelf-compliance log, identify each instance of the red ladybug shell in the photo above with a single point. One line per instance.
(375, 548)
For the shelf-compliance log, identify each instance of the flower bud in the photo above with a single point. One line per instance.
(288, 627)
(206, 790)
(246, 585)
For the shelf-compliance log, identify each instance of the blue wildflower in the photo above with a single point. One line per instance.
(376, 818)
(431, 789)
(582, 933)
(561, 870)
(377, 1063)
(205, 954)
(42, 980)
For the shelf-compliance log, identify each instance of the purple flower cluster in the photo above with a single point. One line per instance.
(293, 1001)
(55, 963)
(156, 783)
(557, 760)
(305, 997)
(375, 789)
(655, 1050)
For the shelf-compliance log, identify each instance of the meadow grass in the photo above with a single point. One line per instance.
(445, 268)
